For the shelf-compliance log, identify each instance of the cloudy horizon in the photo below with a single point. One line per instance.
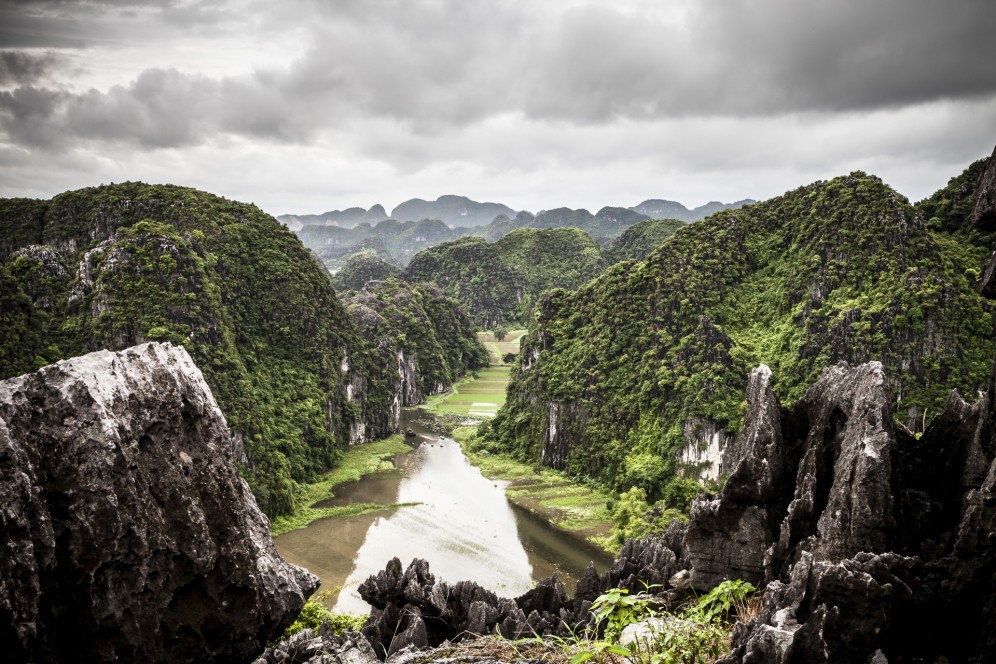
(307, 106)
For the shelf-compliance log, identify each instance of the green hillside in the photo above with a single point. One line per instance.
(498, 283)
(113, 266)
(640, 239)
(648, 363)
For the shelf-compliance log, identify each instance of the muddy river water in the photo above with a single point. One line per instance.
(464, 526)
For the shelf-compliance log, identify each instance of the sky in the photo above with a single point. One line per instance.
(304, 106)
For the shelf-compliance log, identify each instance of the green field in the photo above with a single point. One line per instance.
(357, 461)
(478, 397)
(498, 349)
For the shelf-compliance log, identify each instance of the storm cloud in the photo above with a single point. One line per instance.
(416, 83)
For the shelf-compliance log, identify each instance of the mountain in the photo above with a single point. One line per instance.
(638, 375)
(657, 208)
(423, 342)
(361, 268)
(640, 239)
(394, 241)
(114, 266)
(498, 283)
(453, 210)
(347, 218)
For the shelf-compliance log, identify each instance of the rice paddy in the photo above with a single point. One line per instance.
(498, 349)
(477, 396)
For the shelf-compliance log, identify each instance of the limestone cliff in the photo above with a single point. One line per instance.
(127, 533)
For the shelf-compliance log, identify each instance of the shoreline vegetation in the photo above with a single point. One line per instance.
(580, 511)
(357, 462)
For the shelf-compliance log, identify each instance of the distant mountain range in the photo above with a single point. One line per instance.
(460, 211)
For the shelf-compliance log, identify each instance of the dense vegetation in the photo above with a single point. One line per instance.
(113, 266)
(361, 268)
(640, 239)
(421, 342)
(398, 241)
(618, 378)
(498, 283)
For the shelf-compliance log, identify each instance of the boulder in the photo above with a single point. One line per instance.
(127, 533)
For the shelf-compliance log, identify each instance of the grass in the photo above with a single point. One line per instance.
(479, 395)
(356, 462)
(498, 349)
(576, 508)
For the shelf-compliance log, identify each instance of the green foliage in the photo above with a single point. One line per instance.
(720, 601)
(500, 333)
(633, 517)
(314, 614)
(128, 263)
(616, 609)
(698, 634)
(653, 356)
(422, 342)
(361, 268)
(499, 283)
(639, 240)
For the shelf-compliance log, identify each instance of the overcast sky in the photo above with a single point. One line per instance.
(305, 106)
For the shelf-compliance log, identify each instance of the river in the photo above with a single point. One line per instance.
(464, 526)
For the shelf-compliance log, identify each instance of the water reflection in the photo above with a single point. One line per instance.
(465, 527)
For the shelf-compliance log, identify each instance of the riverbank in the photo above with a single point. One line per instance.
(357, 462)
(581, 511)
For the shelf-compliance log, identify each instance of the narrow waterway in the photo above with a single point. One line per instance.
(464, 527)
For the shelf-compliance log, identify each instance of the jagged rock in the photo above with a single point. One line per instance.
(886, 549)
(987, 281)
(876, 546)
(127, 534)
(984, 218)
(321, 647)
(728, 535)
(984, 209)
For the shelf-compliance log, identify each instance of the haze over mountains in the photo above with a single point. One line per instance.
(460, 211)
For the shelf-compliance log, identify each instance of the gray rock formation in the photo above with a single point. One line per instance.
(875, 545)
(984, 209)
(884, 547)
(127, 534)
(984, 218)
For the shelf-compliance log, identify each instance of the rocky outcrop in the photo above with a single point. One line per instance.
(984, 218)
(321, 646)
(127, 533)
(984, 208)
(414, 610)
(874, 545)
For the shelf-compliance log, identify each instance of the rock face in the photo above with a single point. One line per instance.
(872, 543)
(870, 540)
(127, 533)
(984, 218)
(984, 209)
(412, 609)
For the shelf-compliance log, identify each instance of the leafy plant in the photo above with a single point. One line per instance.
(619, 609)
(719, 601)
(315, 613)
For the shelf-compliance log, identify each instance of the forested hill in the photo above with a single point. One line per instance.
(114, 266)
(640, 239)
(498, 283)
(398, 241)
(641, 372)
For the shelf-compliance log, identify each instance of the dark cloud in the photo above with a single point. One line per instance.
(30, 116)
(436, 66)
(20, 68)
